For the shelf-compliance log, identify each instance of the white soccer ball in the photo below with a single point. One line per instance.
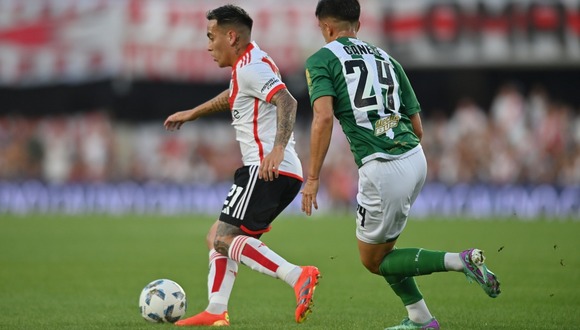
(162, 300)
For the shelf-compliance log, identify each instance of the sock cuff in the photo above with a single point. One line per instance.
(217, 299)
(287, 269)
(442, 262)
(214, 255)
(237, 246)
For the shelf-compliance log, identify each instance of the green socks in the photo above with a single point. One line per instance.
(399, 267)
(412, 262)
(406, 288)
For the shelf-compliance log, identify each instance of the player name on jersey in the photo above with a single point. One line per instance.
(361, 50)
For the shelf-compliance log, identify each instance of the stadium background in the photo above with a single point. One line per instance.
(86, 84)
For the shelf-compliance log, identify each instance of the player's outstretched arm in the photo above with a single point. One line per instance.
(320, 134)
(216, 104)
(286, 106)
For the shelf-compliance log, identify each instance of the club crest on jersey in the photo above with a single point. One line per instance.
(385, 125)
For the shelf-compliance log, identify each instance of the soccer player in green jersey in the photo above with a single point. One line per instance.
(372, 98)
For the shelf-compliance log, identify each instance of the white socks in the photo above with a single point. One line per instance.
(252, 253)
(453, 262)
(220, 281)
(418, 312)
(256, 255)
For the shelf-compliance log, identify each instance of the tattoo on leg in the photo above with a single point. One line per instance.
(225, 233)
(221, 247)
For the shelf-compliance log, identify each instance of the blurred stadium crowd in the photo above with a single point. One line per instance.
(526, 139)
(85, 84)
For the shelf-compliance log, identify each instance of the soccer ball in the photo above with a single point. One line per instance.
(162, 300)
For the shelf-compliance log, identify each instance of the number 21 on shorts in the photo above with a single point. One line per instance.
(232, 199)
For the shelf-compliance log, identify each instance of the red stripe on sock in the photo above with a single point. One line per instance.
(220, 273)
(236, 248)
(253, 254)
(214, 256)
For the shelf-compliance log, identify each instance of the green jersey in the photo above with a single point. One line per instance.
(373, 98)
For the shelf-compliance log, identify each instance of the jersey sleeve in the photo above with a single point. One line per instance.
(408, 98)
(260, 81)
(318, 77)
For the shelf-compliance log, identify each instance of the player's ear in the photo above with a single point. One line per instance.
(357, 27)
(332, 31)
(328, 30)
(232, 37)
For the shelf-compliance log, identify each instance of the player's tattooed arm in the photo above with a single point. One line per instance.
(216, 104)
(220, 102)
(286, 109)
(286, 116)
(225, 233)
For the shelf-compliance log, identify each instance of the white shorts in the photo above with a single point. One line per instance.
(386, 191)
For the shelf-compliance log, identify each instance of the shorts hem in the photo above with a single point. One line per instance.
(370, 241)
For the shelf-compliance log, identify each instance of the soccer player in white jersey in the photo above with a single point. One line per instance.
(370, 95)
(263, 115)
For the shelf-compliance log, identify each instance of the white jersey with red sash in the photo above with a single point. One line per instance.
(255, 80)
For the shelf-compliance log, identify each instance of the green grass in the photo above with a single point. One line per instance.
(86, 272)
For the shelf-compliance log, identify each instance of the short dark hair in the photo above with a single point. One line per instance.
(343, 10)
(230, 14)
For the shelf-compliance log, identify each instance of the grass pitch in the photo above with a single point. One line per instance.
(86, 272)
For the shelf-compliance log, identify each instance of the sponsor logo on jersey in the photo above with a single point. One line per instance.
(268, 85)
(383, 125)
(309, 81)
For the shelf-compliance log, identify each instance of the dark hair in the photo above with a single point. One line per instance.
(343, 10)
(230, 14)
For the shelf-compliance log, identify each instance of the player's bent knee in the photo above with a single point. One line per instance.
(209, 240)
(221, 248)
(222, 244)
(211, 235)
(371, 266)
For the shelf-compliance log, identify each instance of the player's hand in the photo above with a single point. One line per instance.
(269, 168)
(309, 195)
(177, 119)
